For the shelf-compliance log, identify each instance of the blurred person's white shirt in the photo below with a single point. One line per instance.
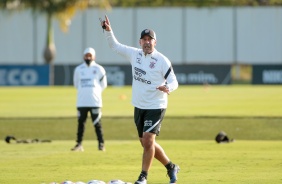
(90, 83)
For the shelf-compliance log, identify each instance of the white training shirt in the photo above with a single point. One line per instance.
(89, 82)
(148, 73)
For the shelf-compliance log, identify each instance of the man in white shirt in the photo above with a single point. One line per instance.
(153, 80)
(90, 80)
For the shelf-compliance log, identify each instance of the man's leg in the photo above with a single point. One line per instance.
(151, 150)
(148, 143)
(172, 169)
(96, 116)
(154, 150)
(150, 146)
(81, 120)
(148, 123)
(160, 154)
(139, 122)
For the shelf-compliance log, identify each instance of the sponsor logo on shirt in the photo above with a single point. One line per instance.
(138, 75)
(140, 70)
(85, 80)
(86, 83)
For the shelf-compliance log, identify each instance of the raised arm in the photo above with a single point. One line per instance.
(124, 50)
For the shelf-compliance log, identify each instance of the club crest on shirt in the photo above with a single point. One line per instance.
(152, 64)
(94, 72)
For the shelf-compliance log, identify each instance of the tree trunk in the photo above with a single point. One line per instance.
(50, 49)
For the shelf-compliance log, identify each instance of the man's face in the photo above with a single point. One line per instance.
(147, 44)
(88, 56)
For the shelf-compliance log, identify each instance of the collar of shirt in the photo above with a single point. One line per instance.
(149, 55)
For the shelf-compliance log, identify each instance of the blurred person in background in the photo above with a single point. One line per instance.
(90, 80)
(153, 80)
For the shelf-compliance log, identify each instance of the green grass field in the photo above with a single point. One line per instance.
(219, 101)
(257, 162)
(250, 114)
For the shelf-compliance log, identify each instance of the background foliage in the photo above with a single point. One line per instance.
(197, 3)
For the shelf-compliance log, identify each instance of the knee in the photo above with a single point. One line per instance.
(147, 141)
(98, 125)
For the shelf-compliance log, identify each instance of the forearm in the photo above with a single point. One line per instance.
(121, 49)
(172, 83)
(104, 83)
(111, 39)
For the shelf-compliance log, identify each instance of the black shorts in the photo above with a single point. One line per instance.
(148, 120)
(95, 113)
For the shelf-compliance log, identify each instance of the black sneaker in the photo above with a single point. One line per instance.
(101, 147)
(141, 180)
(77, 147)
(172, 173)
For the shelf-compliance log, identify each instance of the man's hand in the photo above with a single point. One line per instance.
(163, 89)
(106, 24)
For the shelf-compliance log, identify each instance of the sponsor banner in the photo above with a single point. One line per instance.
(117, 75)
(63, 75)
(120, 75)
(267, 74)
(24, 75)
(203, 74)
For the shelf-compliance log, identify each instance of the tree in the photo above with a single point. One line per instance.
(62, 10)
(194, 3)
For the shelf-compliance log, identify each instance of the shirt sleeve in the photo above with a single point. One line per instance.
(171, 80)
(123, 50)
(103, 80)
(75, 78)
